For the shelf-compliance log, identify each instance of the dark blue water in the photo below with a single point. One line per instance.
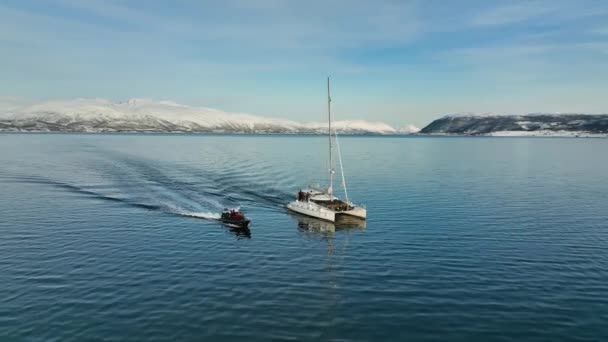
(489, 239)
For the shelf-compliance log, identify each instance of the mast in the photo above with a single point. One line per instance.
(331, 164)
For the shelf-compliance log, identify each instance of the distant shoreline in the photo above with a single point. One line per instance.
(212, 133)
(503, 134)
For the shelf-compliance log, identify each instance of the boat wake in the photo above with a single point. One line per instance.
(206, 216)
(167, 207)
(150, 184)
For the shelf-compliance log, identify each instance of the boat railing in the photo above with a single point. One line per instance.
(357, 205)
(317, 187)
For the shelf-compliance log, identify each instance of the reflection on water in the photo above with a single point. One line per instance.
(350, 222)
(119, 240)
(325, 230)
(239, 232)
(335, 236)
(311, 224)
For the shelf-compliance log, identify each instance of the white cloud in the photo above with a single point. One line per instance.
(513, 13)
(280, 24)
(538, 11)
(600, 30)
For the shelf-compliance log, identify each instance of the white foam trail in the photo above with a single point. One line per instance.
(208, 215)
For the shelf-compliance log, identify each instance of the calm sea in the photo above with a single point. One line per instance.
(112, 237)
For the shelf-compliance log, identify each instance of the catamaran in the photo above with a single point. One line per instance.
(320, 202)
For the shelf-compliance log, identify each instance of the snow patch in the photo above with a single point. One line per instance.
(547, 133)
(470, 115)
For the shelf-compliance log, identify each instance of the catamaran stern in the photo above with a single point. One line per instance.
(355, 212)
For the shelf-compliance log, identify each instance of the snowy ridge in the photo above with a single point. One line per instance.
(535, 124)
(146, 115)
(470, 115)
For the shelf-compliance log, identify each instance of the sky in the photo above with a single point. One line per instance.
(399, 62)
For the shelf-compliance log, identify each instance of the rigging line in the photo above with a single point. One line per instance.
(341, 166)
(331, 167)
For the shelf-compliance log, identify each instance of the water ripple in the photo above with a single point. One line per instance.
(102, 240)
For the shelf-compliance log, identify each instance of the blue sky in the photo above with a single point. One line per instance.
(395, 61)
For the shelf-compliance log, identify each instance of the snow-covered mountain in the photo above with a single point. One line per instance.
(534, 124)
(145, 115)
(409, 129)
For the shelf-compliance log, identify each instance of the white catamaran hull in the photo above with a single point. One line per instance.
(314, 210)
